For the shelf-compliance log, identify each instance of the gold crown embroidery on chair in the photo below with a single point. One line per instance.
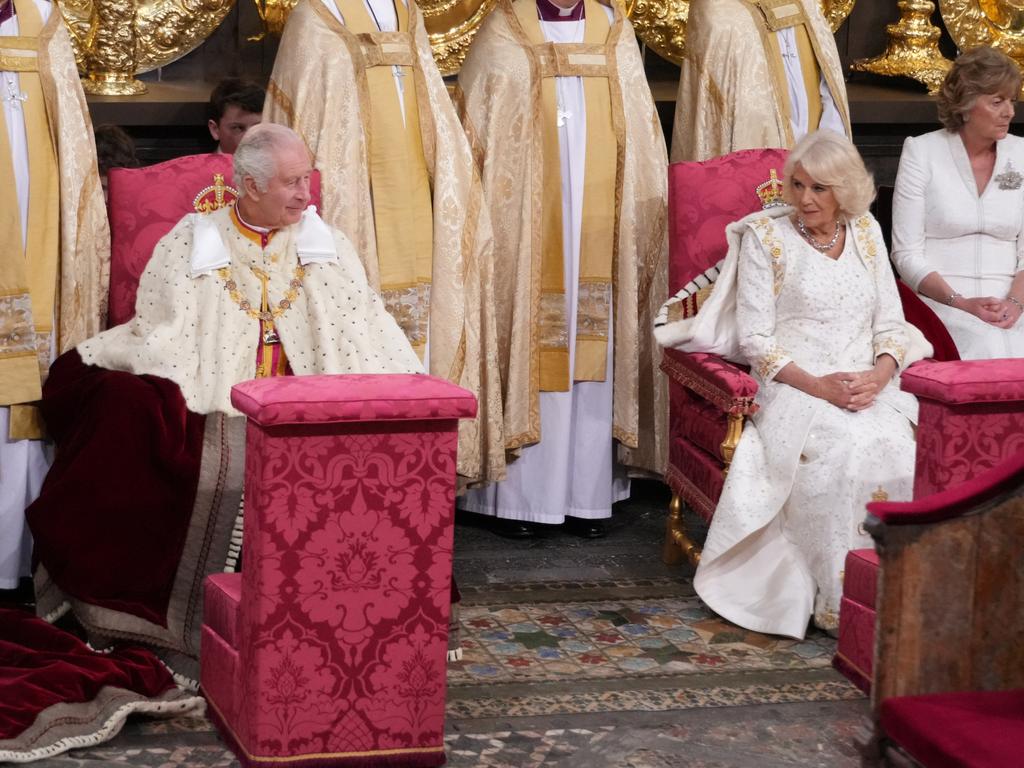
(214, 197)
(770, 192)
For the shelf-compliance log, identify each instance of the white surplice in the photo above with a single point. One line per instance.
(976, 242)
(799, 111)
(804, 469)
(572, 471)
(23, 463)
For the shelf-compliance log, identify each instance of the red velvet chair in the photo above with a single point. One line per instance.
(330, 647)
(145, 203)
(709, 397)
(949, 682)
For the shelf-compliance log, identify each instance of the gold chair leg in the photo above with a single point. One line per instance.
(678, 543)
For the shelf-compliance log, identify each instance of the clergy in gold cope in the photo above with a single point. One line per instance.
(757, 73)
(357, 80)
(574, 168)
(54, 242)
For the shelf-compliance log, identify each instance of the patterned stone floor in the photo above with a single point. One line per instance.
(592, 655)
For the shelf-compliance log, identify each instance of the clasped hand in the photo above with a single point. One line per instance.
(853, 391)
(998, 312)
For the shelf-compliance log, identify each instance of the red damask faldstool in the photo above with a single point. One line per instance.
(329, 649)
(856, 647)
(972, 418)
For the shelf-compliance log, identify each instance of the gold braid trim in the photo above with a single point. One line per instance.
(765, 228)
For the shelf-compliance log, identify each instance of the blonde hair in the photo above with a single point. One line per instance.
(833, 161)
(978, 72)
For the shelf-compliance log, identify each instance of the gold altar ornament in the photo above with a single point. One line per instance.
(451, 25)
(273, 14)
(115, 40)
(998, 23)
(913, 49)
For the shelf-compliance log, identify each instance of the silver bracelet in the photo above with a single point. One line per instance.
(953, 297)
(1020, 306)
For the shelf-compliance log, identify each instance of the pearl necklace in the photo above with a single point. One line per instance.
(823, 247)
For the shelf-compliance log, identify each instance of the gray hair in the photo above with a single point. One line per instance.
(255, 156)
(832, 160)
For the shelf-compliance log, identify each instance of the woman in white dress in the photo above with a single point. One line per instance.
(817, 317)
(958, 209)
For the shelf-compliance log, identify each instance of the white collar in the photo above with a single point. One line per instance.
(314, 243)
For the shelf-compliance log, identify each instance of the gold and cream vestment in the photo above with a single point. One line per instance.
(506, 88)
(757, 73)
(397, 177)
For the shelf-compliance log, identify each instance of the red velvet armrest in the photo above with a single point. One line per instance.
(966, 381)
(955, 501)
(725, 384)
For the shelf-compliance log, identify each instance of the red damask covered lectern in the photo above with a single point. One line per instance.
(329, 648)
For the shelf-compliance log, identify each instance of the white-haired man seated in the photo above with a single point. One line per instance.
(143, 498)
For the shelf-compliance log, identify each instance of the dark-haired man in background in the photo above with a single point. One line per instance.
(235, 106)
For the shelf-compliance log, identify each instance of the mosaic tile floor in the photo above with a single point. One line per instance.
(623, 638)
(592, 655)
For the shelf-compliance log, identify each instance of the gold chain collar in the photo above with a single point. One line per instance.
(246, 306)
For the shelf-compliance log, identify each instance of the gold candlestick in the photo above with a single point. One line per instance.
(913, 49)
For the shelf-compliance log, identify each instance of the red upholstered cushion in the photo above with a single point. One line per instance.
(703, 197)
(967, 381)
(218, 674)
(955, 501)
(921, 315)
(222, 594)
(860, 576)
(978, 729)
(695, 419)
(855, 651)
(689, 466)
(145, 203)
(353, 397)
(718, 381)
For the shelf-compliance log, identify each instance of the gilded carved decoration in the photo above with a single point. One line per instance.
(999, 23)
(913, 49)
(451, 25)
(113, 37)
(273, 14)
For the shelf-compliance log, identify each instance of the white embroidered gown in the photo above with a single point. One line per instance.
(794, 498)
(976, 242)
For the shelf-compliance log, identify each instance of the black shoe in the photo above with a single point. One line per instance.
(512, 529)
(585, 529)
